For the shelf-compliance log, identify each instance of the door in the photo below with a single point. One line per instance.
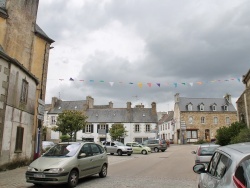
(98, 158)
(86, 163)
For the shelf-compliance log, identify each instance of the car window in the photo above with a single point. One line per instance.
(63, 150)
(112, 144)
(95, 149)
(204, 151)
(100, 148)
(128, 144)
(86, 149)
(222, 166)
(242, 173)
(213, 163)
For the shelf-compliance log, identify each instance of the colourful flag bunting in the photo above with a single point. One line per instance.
(140, 85)
(158, 84)
(91, 80)
(149, 84)
(175, 84)
(111, 83)
(101, 81)
(199, 83)
(183, 83)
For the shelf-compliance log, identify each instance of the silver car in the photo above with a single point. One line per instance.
(67, 162)
(229, 167)
(204, 152)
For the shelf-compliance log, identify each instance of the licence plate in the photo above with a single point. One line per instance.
(39, 176)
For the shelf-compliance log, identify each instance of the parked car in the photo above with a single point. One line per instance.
(67, 162)
(156, 144)
(204, 152)
(229, 167)
(117, 147)
(138, 148)
(47, 144)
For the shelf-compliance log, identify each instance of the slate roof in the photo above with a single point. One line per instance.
(220, 102)
(42, 34)
(166, 117)
(99, 114)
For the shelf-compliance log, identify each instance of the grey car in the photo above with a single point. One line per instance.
(229, 167)
(67, 162)
(156, 145)
(117, 147)
(204, 152)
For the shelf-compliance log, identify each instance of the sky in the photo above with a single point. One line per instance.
(145, 51)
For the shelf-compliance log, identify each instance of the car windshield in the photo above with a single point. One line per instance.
(63, 150)
(208, 150)
(119, 144)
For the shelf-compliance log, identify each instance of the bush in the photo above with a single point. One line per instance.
(243, 136)
(200, 141)
(65, 138)
(224, 135)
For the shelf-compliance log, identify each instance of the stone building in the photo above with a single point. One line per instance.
(140, 122)
(24, 53)
(243, 103)
(199, 118)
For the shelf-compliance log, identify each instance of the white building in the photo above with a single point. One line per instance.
(139, 122)
(166, 126)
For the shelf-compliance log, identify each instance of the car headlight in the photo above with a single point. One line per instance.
(31, 169)
(55, 170)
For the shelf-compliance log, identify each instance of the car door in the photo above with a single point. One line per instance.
(242, 174)
(98, 158)
(107, 146)
(136, 148)
(113, 147)
(216, 171)
(85, 163)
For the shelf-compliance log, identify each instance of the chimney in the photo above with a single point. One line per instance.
(110, 104)
(176, 97)
(128, 105)
(153, 107)
(54, 101)
(228, 98)
(90, 102)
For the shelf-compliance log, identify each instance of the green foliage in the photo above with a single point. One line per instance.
(117, 131)
(224, 134)
(243, 136)
(65, 138)
(69, 122)
(201, 141)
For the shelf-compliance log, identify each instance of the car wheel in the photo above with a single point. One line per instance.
(111, 153)
(144, 152)
(163, 150)
(104, 171)
(156, 149)
(73, 178)
(119, 152)
(129, 154)
(37, 184)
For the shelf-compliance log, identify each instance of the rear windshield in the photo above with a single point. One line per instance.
(208, 150)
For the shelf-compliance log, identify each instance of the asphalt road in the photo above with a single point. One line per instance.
(170, 169)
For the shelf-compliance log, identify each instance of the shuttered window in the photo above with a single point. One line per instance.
(19, 139)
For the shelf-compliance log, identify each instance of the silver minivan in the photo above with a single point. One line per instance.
(229, 167)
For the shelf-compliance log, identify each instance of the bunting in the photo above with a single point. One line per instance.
(150, 84)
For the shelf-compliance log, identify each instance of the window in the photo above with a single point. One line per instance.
(24, 92)
(190, 120)
(215, 120)
(213, 163)
(190, 107)
(226, 108)
(201, 107)
(137, 128)
(227, 120)
(86, 149)
(221, 167)
(53, 120)
(103, 126)
(88, 129)
(95, 149)
(148, 128)
(168, 125)
(202, 120)
(19, 139)
(214, 107)
(192, 134)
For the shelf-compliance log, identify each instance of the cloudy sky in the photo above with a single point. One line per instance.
(146, 51)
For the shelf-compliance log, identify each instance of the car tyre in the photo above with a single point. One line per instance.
(119, 152)
(163, 150)
(73, 178)
(104, 171)
(129, 154)
(156, 149)
(111, 153)
(144, 152)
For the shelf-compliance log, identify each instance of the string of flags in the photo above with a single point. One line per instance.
(150, 84)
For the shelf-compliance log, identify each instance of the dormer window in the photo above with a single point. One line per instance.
(190, 107)
(202, 107)
(214, 107)
(225, 108)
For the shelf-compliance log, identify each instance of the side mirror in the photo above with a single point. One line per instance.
(193, 152)
(199, 168)
(82, 155)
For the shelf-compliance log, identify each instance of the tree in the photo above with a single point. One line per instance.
(117, 131)
(225, 135)
(69, 122)
(243, 136)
